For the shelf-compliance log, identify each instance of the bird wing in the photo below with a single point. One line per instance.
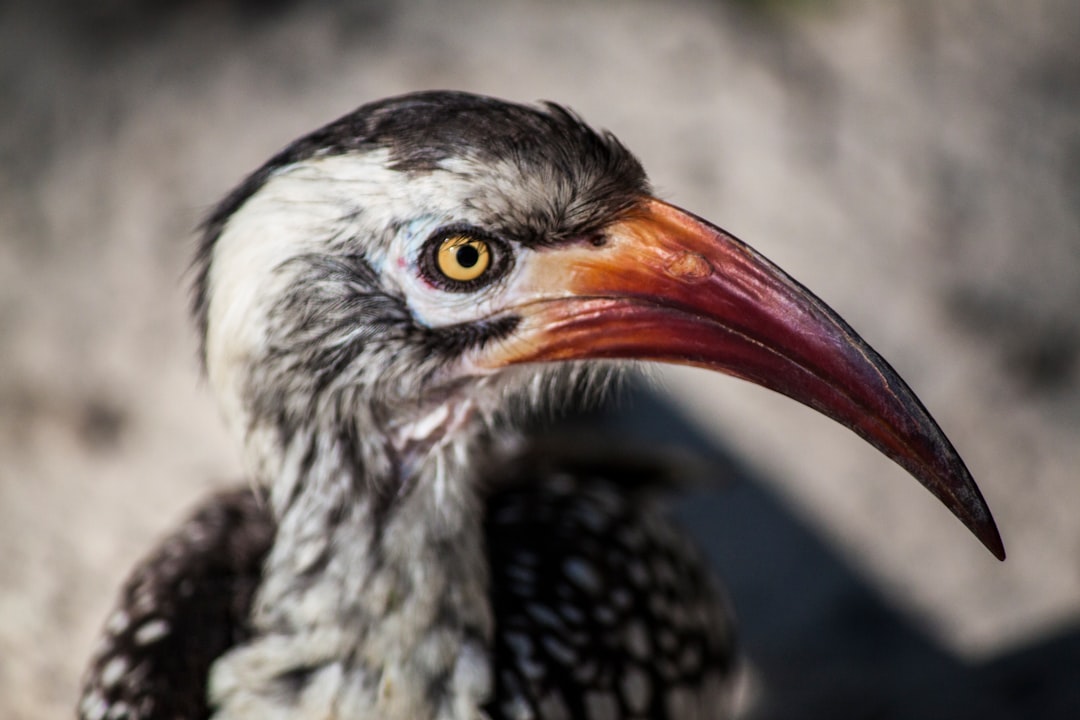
(182, 608)
(603, 608)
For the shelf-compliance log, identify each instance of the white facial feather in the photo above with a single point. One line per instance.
(351, 203)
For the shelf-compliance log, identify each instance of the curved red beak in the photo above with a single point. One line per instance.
(668, 286)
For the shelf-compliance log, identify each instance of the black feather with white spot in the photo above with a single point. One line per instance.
(603, 609)
(183, 607)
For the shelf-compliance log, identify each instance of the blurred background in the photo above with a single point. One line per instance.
(916, 164)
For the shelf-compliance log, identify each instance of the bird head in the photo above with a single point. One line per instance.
(431, 265)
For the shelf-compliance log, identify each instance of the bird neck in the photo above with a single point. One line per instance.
(373, 601)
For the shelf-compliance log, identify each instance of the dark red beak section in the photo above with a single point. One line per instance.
(670, 287)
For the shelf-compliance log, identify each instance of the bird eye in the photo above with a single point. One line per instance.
(463, 258)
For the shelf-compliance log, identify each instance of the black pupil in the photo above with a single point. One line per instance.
(467, 256)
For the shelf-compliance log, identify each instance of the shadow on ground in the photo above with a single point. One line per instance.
(821, 640)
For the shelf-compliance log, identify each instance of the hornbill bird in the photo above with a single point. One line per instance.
(383, 307)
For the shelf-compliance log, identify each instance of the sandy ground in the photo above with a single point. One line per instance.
(917, 164)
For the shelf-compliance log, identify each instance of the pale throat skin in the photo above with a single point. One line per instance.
(374, 596)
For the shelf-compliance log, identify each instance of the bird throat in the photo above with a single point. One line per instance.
(366, 609)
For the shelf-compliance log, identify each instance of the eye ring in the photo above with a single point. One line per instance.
(462, 258)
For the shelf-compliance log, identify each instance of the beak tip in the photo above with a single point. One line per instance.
(975, 515)
(968, 504)
(991, 538)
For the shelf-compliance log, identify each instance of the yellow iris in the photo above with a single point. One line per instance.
(463, 258)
